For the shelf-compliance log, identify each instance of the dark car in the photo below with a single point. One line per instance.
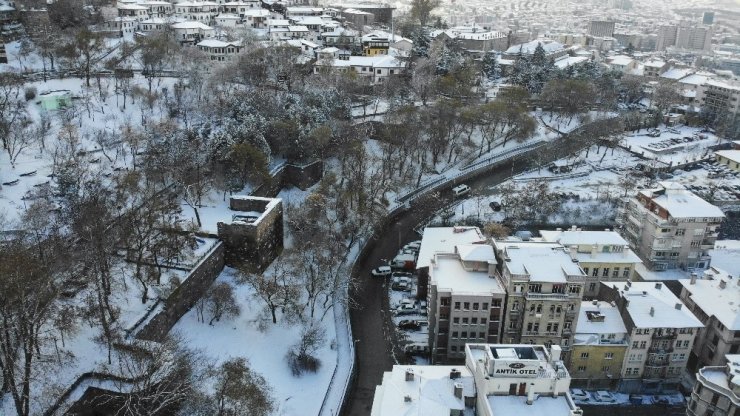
(409, 324)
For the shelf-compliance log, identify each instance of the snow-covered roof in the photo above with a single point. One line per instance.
(694, 79)
(726, 256)
(154, 21)
(444, 239)
(431, 392)
(541, 406)
(131, 7)
(676, 73)
(733, 155)
(653, 305)
(567, 61)
(713, 299)
(191, 25)
(682, 203)
(476, 252)
(654, 63)
(308, 20)
(297, 28)
(214, 43)
(447, 273)
(621, 60)
(723, 85)
(385, 35)
(227, 16)
(529, 47)
(580, 237)
(257, 12)
(590, 319)
(278, 22)
(540, 263)
(727, 379)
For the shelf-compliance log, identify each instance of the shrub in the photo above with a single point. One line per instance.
(30, 93)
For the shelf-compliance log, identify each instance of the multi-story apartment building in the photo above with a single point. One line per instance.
(670, 227)
(604, 256)
(601, 28)
(721, 97)
(599, 345)
(465, 301)
(661, 334)
(715, 300)
(496, 380)
(694, 37)
(544, 287)
(666, 37)
(717, 390)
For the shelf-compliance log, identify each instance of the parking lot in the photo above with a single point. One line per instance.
(599, 402)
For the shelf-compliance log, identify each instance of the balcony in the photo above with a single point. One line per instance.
(664, 335)
(546, 296)
(660, 350)
(657, 362)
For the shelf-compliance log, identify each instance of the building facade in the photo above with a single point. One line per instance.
(601, 28)
(714, 300)
(661, 333)
(465, 301)
(669, 227)
(604, 256)
(717, 390)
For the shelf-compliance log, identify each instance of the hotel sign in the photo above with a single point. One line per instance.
(515, 369)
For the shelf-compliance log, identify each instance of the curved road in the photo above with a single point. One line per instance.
(369, 316)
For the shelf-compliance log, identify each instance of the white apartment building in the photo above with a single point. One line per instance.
(465, 301)
(158, 9)
(721, 97)
(192, 32)
(220, 51)
(669, 227)
(601, 28)
(661, 335)
(715, 300)
(376, 68)
(717, 390)
(544, 286)
(604, 256)
(203, 12)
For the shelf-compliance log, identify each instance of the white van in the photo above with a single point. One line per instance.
(460, 190)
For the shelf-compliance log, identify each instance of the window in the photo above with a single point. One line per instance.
(584, 355)
(539, 308)
(581, 368)
(466, 305)
(591, 287)
(605, 272)
(606, 368)
(474, 321)
(453, 348)
(455, 320)
(615, 273)
(549, 327)
(626, 272)
(475, 306)
(482, 321)
(496, 304)
(515, 306)
(681, 231)
(595, 272)
(567, 325)
(635, 344)
(643, 344)
(575, 289)
(535, 288)
(555, 327)
(512, 325)
(585, 270)
(463, 334)
(529, 327)
(609, 356)
(454, 334)
(558, 288)
(457, 306)
(536, 327)
(482, 335)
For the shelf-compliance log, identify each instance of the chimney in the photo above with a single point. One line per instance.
(455, 374)
(458, 390)
(555, 353)
(722, 284)
(530, 394)
(679, 306)
(595, 302)
(409, 374)
(652, 311)
(573, 228)
(659, 285)
(693, 278)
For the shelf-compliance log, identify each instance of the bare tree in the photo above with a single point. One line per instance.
(220, 302)
(302, 356)
(82, 52)
(422, 9)
(241, 391)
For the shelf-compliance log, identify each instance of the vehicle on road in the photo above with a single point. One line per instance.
(604, 396)
(409, 324)
(579, 394)
(382, 271)
(460, 190)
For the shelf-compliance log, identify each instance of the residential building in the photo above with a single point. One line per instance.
(601, 28)
(375, 44)
(730, 158)
(621, 63)
(157, 9)
(654, 68)
(441, 240)
(721, 97)
(220, 51)
(376, 68)
(520, 380)
(134, 11)
(604, 256)
(599, 346)
(465, 301)
(544, 287)
(715, 300)
(717, 390)
(670, 227)
(552, 49)
(240, 8)
(357, 18)
(425, 390)
(191, 32)
(694, 37)
(498, 380)
(666, 37)
(473, 39)
(200, 11)
(661, 333)
(255, 19)
(3, 55)
(380, 12)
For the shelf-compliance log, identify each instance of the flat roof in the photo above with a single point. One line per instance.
(579, 237)
(541, 406)
(448, 274)
(724, 304)
(733, 155)
(541, 264)
(444, 239)
(682, 203)
(645, 297)
(611, 324)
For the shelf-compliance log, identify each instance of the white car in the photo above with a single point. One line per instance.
(604, 396)
(579, 394)
(460, 190)
(381, 271)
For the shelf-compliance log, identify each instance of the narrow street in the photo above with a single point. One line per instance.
(370, 319)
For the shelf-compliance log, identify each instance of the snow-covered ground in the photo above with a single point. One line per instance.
(674, 146)
(265, 350)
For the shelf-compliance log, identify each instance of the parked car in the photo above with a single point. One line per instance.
(416, 349)
(604, 396)
(423, 307)
(460, 190)
(381, 271)
(409, 324)
(403, 285)
(635, 398)
(414, 244)
(579, 394)
(398, 275)
(660, 400)
(411, 249)
(404, 262)
(495, 206)
(407, 310)
(405, 250)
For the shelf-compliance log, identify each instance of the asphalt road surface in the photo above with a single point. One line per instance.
(369, 316)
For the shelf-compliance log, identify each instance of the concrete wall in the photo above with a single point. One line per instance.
(186, 295)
